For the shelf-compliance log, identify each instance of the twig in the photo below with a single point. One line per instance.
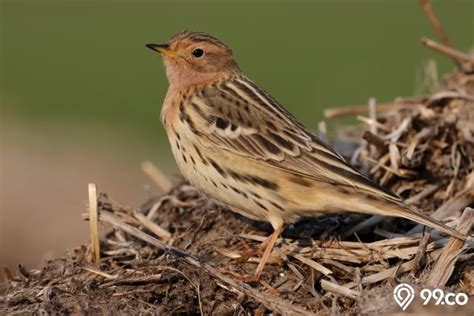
(152, 212)
(444, 266)
(395, 135)
(455, 205)
(448, 51)
(339, 289)
(101, 273)
(153, 278)
(371, 123)
(323, 132)
(450, 95)
(375, 140)
(358, 280)
(253, 237)
(339, 265)
(362, 109)
(157, 176)
(421, 252)
(402, 173)
(373, 115)
(273, 303)
(297, 273)
(424, 133)
(426, 5)
(394, 153)
(93, 223)
(313, 264)
(152, 226)
(427, 191)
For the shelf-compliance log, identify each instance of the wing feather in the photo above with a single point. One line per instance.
(238, 116)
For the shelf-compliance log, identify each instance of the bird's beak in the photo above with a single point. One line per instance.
(163, 49)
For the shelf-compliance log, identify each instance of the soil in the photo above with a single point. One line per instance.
(140, 279)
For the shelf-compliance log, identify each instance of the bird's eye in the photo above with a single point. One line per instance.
(198, 52)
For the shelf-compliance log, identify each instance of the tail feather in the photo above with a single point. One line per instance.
(402, 210)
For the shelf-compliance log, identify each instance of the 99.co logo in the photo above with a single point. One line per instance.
(443, 298)
(404, 295)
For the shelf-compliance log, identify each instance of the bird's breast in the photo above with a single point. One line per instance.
(228, 178)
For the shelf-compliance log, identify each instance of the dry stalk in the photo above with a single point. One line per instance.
(426, 5)
(323, 132)
(339, 289)
(373, 115)
(313, 264)
(448, 51)
(157, 176)
(93, 224)
(352, 110)
(444, 266)
(101, 273)
(152, 226)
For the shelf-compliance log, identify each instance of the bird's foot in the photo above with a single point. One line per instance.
(245, 255)
(254, 277)
(250, 251)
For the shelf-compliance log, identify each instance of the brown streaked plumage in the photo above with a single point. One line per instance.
(234, 142)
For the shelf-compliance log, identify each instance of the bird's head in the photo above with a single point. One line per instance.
(193, 58)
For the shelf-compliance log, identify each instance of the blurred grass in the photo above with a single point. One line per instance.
(69, 62)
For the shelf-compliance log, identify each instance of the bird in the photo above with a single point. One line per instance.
(235, 143)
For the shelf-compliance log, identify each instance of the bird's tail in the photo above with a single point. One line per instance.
(399, 209)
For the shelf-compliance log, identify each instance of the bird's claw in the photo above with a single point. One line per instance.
(254, 277)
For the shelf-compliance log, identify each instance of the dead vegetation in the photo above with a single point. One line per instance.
(176, 252)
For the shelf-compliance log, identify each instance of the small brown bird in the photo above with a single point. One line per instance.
(238, 145)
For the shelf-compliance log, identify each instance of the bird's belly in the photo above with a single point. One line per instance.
(220, 176)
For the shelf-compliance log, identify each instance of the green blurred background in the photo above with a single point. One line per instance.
(81, 95)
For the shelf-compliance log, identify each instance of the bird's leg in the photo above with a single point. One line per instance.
(268, 244)
(266, 247)
(251, 252)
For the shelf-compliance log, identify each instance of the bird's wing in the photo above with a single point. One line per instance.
(238, 116)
